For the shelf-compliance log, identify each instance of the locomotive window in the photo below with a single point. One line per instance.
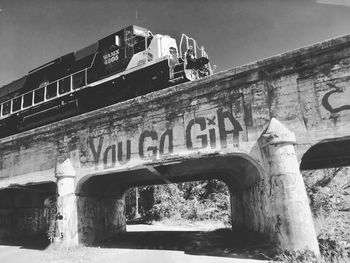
(79, 80)
(6, 108)
(64, 85)
(117, 40)
(27, 99)
(139, 44)
(39, 95)
(16, 104)
(51, 90)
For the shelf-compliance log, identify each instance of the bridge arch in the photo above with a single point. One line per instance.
(27, 211)
(101, 198)
(327, 154)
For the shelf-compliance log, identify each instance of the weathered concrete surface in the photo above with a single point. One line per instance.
(277, 204)
(287, 204)
(67, 204)
(100, 218)
(202, 129)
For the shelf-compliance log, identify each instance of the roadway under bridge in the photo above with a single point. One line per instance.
(254, 127)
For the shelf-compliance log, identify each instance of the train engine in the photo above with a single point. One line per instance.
(123, 65)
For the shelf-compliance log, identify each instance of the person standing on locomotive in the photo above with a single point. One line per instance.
(198, 64)
(174, 60)
(191, 60)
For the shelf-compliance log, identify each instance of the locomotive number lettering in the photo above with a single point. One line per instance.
(111, 57)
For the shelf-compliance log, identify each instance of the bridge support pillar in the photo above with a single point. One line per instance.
(66, 219)
(287, 206)
(101, 216)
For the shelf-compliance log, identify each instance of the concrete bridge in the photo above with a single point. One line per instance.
(253, 127)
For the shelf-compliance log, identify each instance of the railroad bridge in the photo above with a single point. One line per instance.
(254, 127)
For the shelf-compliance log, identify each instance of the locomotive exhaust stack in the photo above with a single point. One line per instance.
(123, 65)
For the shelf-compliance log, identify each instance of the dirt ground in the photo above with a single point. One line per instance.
(146, 243)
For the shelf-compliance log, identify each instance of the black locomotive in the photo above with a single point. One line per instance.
(123, 65)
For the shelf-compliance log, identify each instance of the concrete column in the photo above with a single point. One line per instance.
(66, 219)
(116, 218)
(101, 216)
(287, 206)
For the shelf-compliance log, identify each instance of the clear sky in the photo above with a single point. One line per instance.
(234, 32)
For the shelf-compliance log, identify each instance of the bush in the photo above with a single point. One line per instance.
(330, 253)
(328, 191)
(292, 256)
(333, 250)
(202, 200)
(168, 202)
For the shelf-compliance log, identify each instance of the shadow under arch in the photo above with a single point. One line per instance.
(101, 198)
(25, 214)
(327, 154)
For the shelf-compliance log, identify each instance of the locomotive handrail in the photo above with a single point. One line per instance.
(58, 95)
(188, 39)
(45, 99)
